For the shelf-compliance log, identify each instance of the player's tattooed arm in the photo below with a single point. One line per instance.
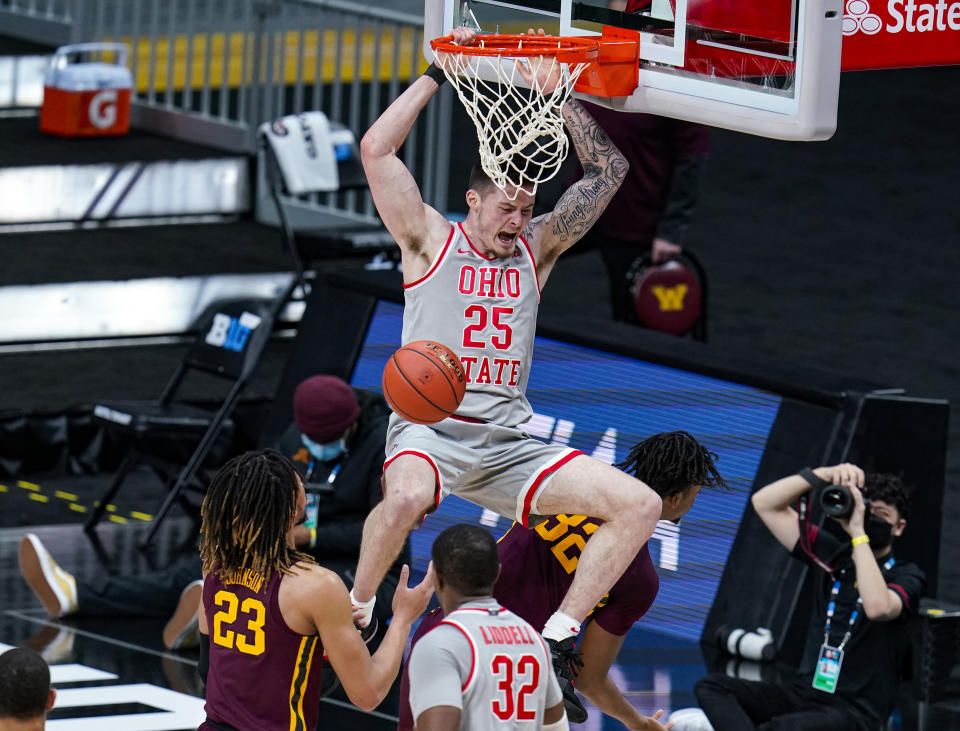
(604, 169)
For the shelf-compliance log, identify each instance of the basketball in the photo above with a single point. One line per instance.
(424, 382)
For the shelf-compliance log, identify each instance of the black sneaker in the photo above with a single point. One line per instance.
(566, 665)
(370, 631)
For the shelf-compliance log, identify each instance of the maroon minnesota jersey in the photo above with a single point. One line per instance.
(538, 566)
(262, 674)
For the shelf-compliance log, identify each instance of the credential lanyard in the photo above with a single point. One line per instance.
(854, 615)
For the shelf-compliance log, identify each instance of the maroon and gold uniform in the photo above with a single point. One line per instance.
(262, 675)
(538, 567)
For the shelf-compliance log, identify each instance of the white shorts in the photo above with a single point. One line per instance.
(497, 467)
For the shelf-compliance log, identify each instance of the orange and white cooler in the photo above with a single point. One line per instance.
(90, 98)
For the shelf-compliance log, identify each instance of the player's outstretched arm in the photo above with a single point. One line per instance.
(598, 650)
(365, 678)
(604, 169)
(395, 192)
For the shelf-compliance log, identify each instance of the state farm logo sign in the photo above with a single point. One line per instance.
(902, 33)
(859, 19)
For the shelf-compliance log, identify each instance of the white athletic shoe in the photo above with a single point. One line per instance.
(690, 719)
(183, 628)
(56, 588)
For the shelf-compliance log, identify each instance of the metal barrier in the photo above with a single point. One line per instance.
(211, 71)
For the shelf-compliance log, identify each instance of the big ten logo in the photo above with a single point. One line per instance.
(231, 333)
(102, 109)
(670, 298)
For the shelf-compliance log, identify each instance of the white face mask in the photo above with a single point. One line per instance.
(324, 452)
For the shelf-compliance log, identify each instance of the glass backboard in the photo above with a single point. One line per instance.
(766, 67)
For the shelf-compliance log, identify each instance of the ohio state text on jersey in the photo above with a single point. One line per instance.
(485, 310)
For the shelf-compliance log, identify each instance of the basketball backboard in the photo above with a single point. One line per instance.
(765, 67)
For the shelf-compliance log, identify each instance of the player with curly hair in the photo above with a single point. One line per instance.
(272, 613)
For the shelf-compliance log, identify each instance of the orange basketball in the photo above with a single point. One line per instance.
(424, 382)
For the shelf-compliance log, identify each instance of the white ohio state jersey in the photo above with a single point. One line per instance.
(489, 663)
(484, 310)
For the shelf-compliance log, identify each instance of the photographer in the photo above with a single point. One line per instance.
(857, 639)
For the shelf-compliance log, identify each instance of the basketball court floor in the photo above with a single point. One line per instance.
(113, 674)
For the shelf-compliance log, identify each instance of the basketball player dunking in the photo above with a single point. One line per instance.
(475, 287)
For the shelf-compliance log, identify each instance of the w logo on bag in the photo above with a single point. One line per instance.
(670, 298)
(231, 333)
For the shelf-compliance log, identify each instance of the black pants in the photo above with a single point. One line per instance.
(148, 595)
(732, 704)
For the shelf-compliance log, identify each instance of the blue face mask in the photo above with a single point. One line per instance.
(324, 452)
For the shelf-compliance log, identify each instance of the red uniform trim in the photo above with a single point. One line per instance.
(468, 419)
(473, 652)
(475, 249)
(436, 263)
(429, 459)
(533, 262)
(534, 486)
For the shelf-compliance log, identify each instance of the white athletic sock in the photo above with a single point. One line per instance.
(560, 626)
(362, 611)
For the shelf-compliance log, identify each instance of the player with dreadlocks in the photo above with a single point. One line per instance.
(272, 614)
(538, 566)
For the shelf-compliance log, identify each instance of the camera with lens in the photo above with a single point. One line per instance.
(837, 501)
(756, 645)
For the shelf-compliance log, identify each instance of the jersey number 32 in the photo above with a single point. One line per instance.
(511, 702)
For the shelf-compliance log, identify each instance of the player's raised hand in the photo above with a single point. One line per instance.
(455, 63)
(542, 73)
(409, 602)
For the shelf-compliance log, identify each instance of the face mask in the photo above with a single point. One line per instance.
(879, 532)
(324, 452)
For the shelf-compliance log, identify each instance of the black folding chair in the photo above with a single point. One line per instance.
(233, 335)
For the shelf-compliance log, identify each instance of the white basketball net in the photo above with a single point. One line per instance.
(521, 135)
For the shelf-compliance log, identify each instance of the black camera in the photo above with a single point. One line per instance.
(837, 501)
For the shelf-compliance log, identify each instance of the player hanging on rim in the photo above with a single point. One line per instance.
(476, 288)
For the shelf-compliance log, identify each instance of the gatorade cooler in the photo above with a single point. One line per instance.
(87, 99)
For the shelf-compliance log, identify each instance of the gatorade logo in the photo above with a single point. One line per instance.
(670, 298)
(103, 109)
(906, 15)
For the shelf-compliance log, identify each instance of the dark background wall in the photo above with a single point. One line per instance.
(842, 255)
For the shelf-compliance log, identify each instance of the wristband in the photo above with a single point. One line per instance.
(860, 539)
(435, 73)
(811, 477)
(313, 536)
